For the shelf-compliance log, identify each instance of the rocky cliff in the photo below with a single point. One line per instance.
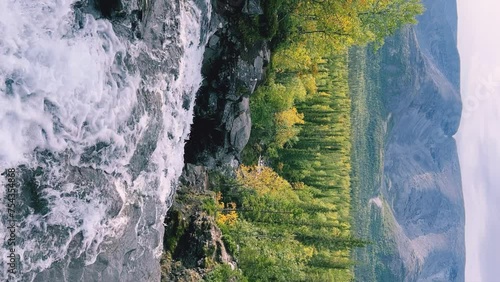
(232, 67)
(422, 184)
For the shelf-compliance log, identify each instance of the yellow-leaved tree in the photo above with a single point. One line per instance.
(227, 212)
(265, 181)
(285, 126)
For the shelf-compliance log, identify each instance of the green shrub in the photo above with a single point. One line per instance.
(209, 206)
(224, 273)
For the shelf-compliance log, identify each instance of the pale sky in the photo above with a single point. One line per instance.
(479, 135)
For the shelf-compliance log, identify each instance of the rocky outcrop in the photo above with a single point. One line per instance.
(193, 242)
(194, 178)
(232, 70)
(221, 129)
(252, 7)
(199, 249)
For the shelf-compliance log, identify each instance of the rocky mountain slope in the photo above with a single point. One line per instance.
(422, 185)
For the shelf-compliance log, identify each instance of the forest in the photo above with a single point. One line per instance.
(288, 215)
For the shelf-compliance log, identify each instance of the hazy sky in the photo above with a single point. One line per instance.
(479, 135)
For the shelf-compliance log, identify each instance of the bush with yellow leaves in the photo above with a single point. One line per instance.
(227, 212)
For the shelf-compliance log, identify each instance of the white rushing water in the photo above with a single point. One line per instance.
(44, 59)
(65, 88)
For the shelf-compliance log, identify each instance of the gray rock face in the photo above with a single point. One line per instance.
(194, 178)
(239, 129)
(422, 173)
(252, 7)
(222, 120)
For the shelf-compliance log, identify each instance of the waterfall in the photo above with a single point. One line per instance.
(94, 115)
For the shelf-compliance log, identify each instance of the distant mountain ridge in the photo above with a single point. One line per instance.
(420, 81)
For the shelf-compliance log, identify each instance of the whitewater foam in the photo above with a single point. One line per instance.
(64, 87)
(69, 107)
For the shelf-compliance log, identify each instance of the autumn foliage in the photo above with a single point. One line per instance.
(294, 225)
